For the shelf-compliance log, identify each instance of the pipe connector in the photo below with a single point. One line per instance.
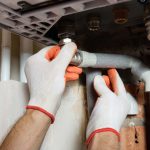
(88, 59)
(77, 59)
(84, 59)
(101, 60)
(65, 41)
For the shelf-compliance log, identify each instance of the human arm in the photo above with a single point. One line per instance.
(28, 133)
(104, 141)
(46, 78)
(111, 108)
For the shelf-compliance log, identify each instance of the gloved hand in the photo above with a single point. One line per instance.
(111, 107)
(46, 74)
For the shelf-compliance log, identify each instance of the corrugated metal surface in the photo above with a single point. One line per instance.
(36, 22)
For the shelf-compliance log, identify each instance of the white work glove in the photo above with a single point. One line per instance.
(47, 72)
(111, 107)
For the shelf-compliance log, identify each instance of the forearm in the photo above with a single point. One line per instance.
(28, 133)
(104, 141)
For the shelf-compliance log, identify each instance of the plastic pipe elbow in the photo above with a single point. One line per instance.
(146, 78)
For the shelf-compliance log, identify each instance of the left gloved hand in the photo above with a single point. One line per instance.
(46, 74)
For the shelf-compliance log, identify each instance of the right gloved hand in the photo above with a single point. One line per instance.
(111, 107)
(47, 73)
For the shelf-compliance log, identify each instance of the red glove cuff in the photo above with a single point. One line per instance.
(51, 116)
(102, 130)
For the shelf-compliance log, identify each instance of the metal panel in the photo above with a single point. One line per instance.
(36, 22)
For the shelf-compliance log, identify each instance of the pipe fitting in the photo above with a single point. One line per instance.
(101, 60)
(121, 15)
(77, 59)
(146, 79)
(94, 23)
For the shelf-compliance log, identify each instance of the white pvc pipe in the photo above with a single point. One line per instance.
(26, 50)
(146, 79)
(5, 55)
(101, 60)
